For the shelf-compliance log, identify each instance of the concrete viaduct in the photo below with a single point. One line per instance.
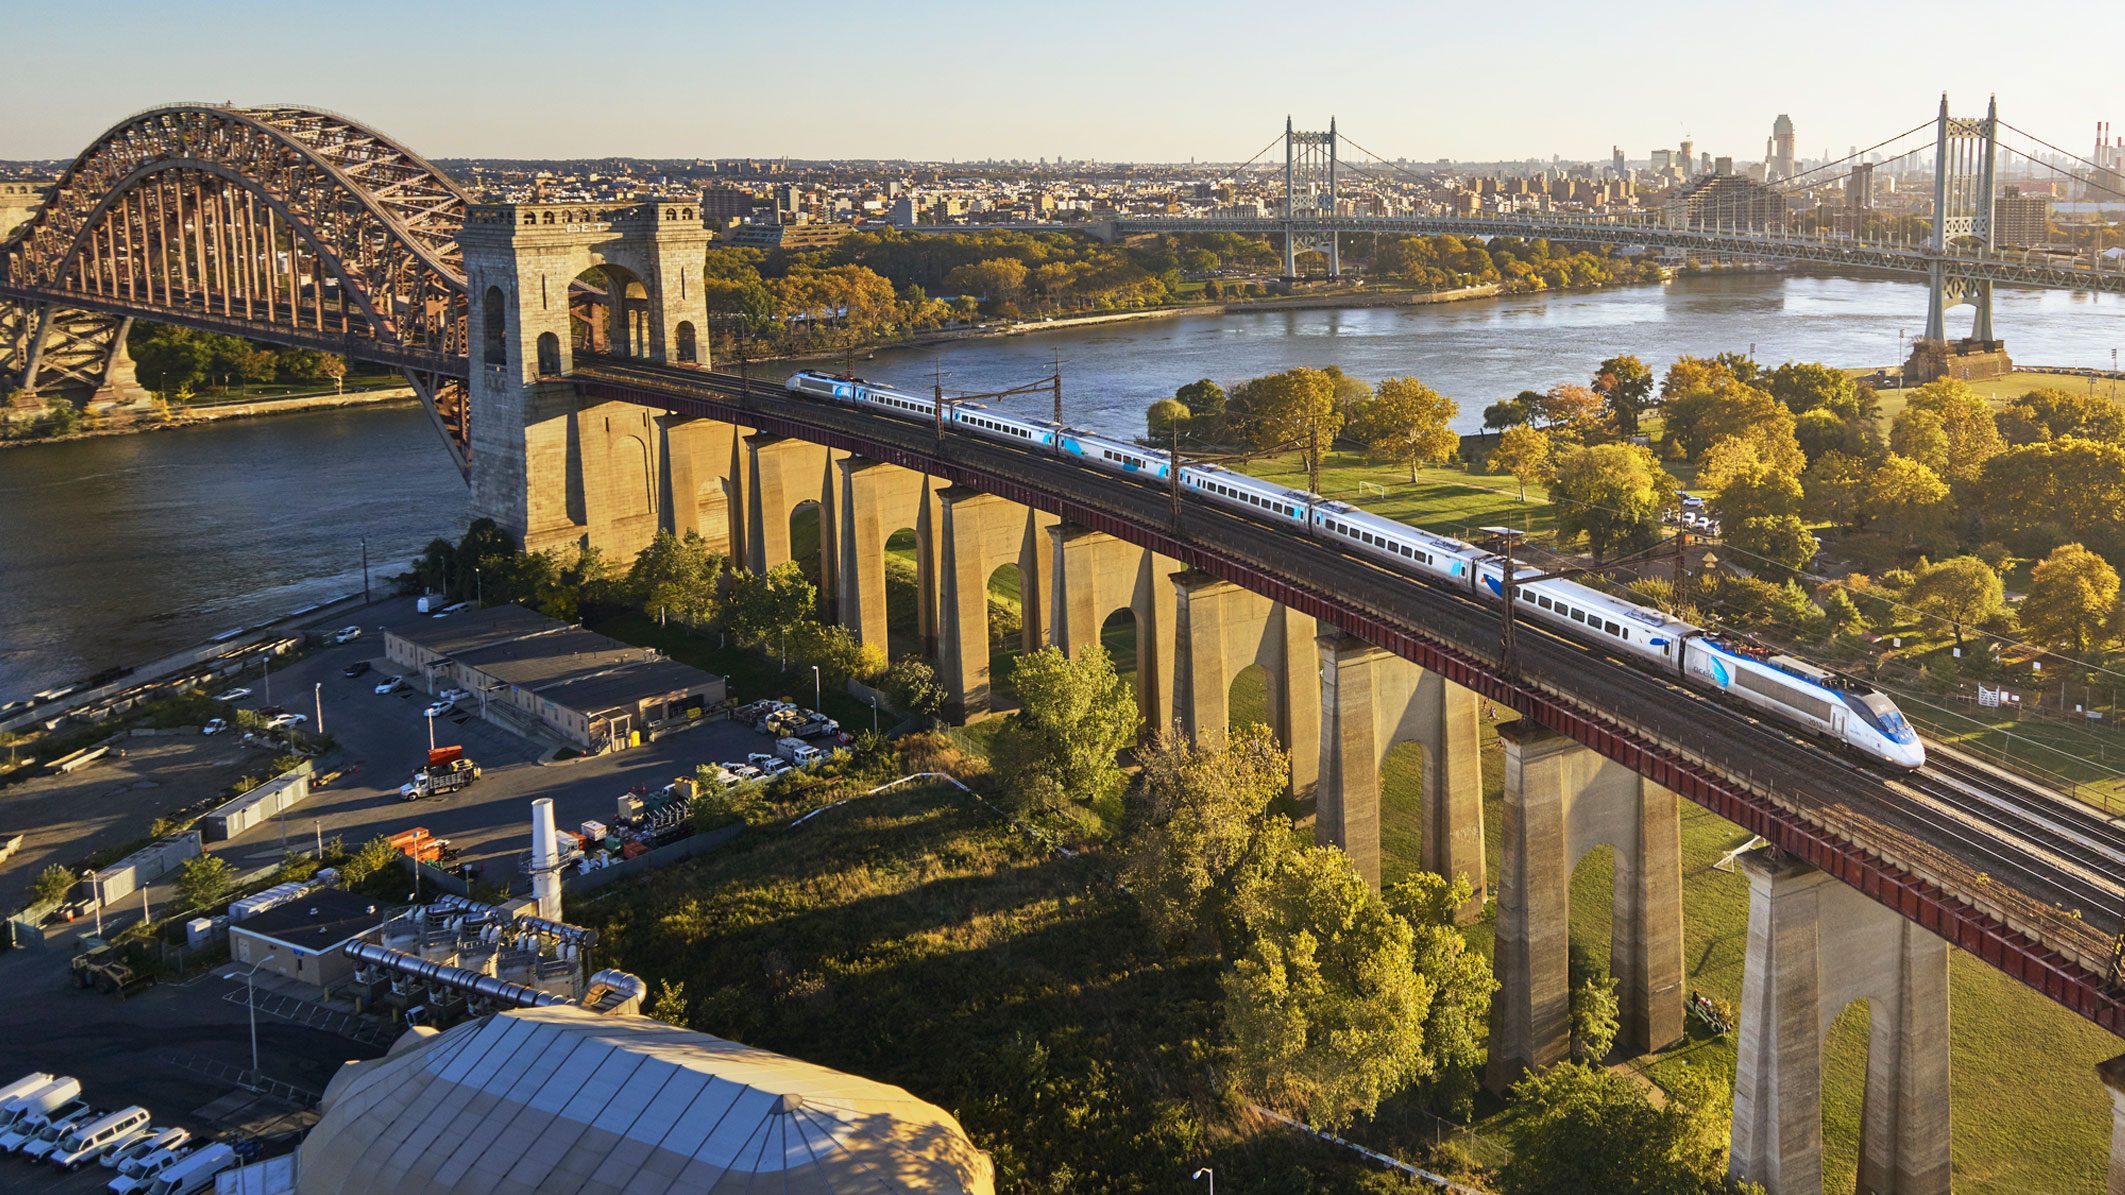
(585, 441)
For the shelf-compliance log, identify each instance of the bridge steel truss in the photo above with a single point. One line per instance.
(279, 224)
(2074, 976)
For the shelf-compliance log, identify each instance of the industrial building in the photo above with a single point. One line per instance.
(523, 668)
(560, 1098)
(304, 940)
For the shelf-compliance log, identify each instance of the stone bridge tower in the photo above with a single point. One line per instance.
(552, 282)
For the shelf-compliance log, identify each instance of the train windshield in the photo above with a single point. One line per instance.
(1882, 714)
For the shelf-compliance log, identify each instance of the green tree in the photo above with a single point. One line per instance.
(1834, 489)
(2056, 414)
(1507, 413)
(1456, 1025)
(2060, 491)
(669, 1004)
(911, 683)
(1584, 1130)
(1167, 418)
(203, 880)
(373, 857)
(1325, 1007)
(2072, 603)
(1780, 540)
(769, 606)
(1611, 493)
(1625, 385)
(1204, 398)
(1842, 617)
(51, 886)
(1968, 433)
(1202, 824)
(1410, 423)
(677, 576)
(1595, 1016)
(1073, 717)
(1524, 452)
(1806, 386)
(1960, 591)
(1297, 406)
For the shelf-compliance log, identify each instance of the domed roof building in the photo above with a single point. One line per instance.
(559, 1099)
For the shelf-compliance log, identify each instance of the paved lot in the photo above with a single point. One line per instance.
(383, 738)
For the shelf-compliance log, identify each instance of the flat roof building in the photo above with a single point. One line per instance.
(302, 940)
(587, 689)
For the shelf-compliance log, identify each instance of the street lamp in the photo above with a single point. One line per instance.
(817, 698)
(317, 697)
(1207, 1172)
(250, 1000)
(431, 732)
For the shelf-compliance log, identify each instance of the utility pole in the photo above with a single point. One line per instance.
(1508, 645)
(1058, 382)
(365, 571)
(1682, 572)
(1173, 471)
(937, 404)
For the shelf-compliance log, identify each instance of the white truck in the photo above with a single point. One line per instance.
(27, 1113)
(195, 1172)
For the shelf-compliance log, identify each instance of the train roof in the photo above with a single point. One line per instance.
(1597, 599)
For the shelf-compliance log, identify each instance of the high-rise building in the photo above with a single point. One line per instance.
(1725, 201)
(1688, 160)
(1779, 162)
(1722, 165)
(1661, 160)
(2021, 220)
(1616, 161)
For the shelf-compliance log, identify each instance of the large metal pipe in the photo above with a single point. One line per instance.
(556, 929)
(488, 987)
(545, 860)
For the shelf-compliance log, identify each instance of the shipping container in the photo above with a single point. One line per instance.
(281, 793)
(144, 866)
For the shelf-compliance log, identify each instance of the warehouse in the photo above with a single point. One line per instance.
(589, 690)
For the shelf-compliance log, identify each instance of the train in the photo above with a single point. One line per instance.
(1817, 702)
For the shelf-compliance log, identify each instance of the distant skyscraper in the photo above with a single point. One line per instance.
(1688, 160)
(1662, 159)
(1779, 162)
(1616, 161)
(1722, 165)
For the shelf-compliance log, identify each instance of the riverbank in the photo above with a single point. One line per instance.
(192, 416)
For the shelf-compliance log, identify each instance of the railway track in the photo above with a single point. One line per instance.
(2033, 860)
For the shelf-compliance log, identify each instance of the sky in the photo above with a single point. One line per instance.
(1100, 79)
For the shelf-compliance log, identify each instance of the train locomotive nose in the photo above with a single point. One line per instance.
(1908, 755)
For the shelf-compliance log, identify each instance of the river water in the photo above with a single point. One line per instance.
(122, 549)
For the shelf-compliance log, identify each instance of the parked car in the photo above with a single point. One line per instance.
(357, 668)
(454, 694)
(437, 709)
(449, 610)
(769, 765)
(743, 771)
(346, 634)
(81, 1146)
(236, 694)
(156, 1138)
(391, 684)
(214, 726)
(283, 721)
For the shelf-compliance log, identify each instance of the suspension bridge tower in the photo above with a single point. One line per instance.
(1964, 153)
(1310, 197)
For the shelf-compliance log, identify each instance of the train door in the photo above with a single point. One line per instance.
(1837, 722)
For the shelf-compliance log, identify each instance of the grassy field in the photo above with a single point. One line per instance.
(1453, 501)
(2029, 1113)
(1998, 391)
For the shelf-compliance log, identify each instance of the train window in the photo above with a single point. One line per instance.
(1615, 630)
(1544, 602)
(1577, 615)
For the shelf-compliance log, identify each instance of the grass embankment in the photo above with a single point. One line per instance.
(917, 939)
(2029, 1113)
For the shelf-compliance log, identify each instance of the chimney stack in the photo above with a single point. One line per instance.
(545, 860)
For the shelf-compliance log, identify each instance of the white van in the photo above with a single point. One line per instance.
(139, 1174)
(30, 1103)
(194, 1173)
(87, 1140)
(38, 1139)
(35, 1120)
(21, 1087)
(152, 1139)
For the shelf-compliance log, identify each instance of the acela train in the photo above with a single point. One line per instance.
(1791, 691)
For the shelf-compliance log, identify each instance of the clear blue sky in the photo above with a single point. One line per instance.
(1140, 80)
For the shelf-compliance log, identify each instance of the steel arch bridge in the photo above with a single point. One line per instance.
(281, 224)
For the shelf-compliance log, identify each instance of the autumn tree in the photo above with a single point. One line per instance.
(2072, 603)
(1961, 420)
(1906, 495)
(1625, 386)
(1409, 422)
(2051, 414)
(1202, 826)
(1805, 386)
(1570, 407)
(1074, 715)
(1295, 406)
(1611, 493)
(1524, 452)
(1587, 1130)
(1204, 398)
(2059, 491)
(1960, 591)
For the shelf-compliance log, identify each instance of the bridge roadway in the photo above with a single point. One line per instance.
(2031, 883)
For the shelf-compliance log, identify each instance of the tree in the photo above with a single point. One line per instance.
(1833, 489)
(1297, 405)
(1524, 452)
(911, 683)
(1167, 418)
(1202, 825)
(1204, 398)
(1595, 1016)
(51, 886)
(1699, 418)
(1073, 716)
(1806, 386)
(1842, 617)
(2042, 495)
(1569, 406)
(2056, 414)
(1960, 591)
(1779, 540)
(1969, 436)
(1409, 422)
(372, 858)
(1507, 413)
(766, 606)
(2072, 604)
(1325, 1007)
(1624, 384)
(203, 880)
(996, 280)
(1455, 1027)
(1584, 1130)
(1905, 494)
(669, 1004)
(1611, 493)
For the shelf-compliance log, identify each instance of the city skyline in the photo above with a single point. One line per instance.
(1161, 84)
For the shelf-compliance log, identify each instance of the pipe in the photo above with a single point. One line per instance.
(557, 929)
(446, 975)
(623, 986)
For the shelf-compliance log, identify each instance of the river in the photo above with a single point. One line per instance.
(121, 549)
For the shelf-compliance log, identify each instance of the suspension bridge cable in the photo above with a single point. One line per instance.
(2055, 149)
(2083, 179)
(1796, 179)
